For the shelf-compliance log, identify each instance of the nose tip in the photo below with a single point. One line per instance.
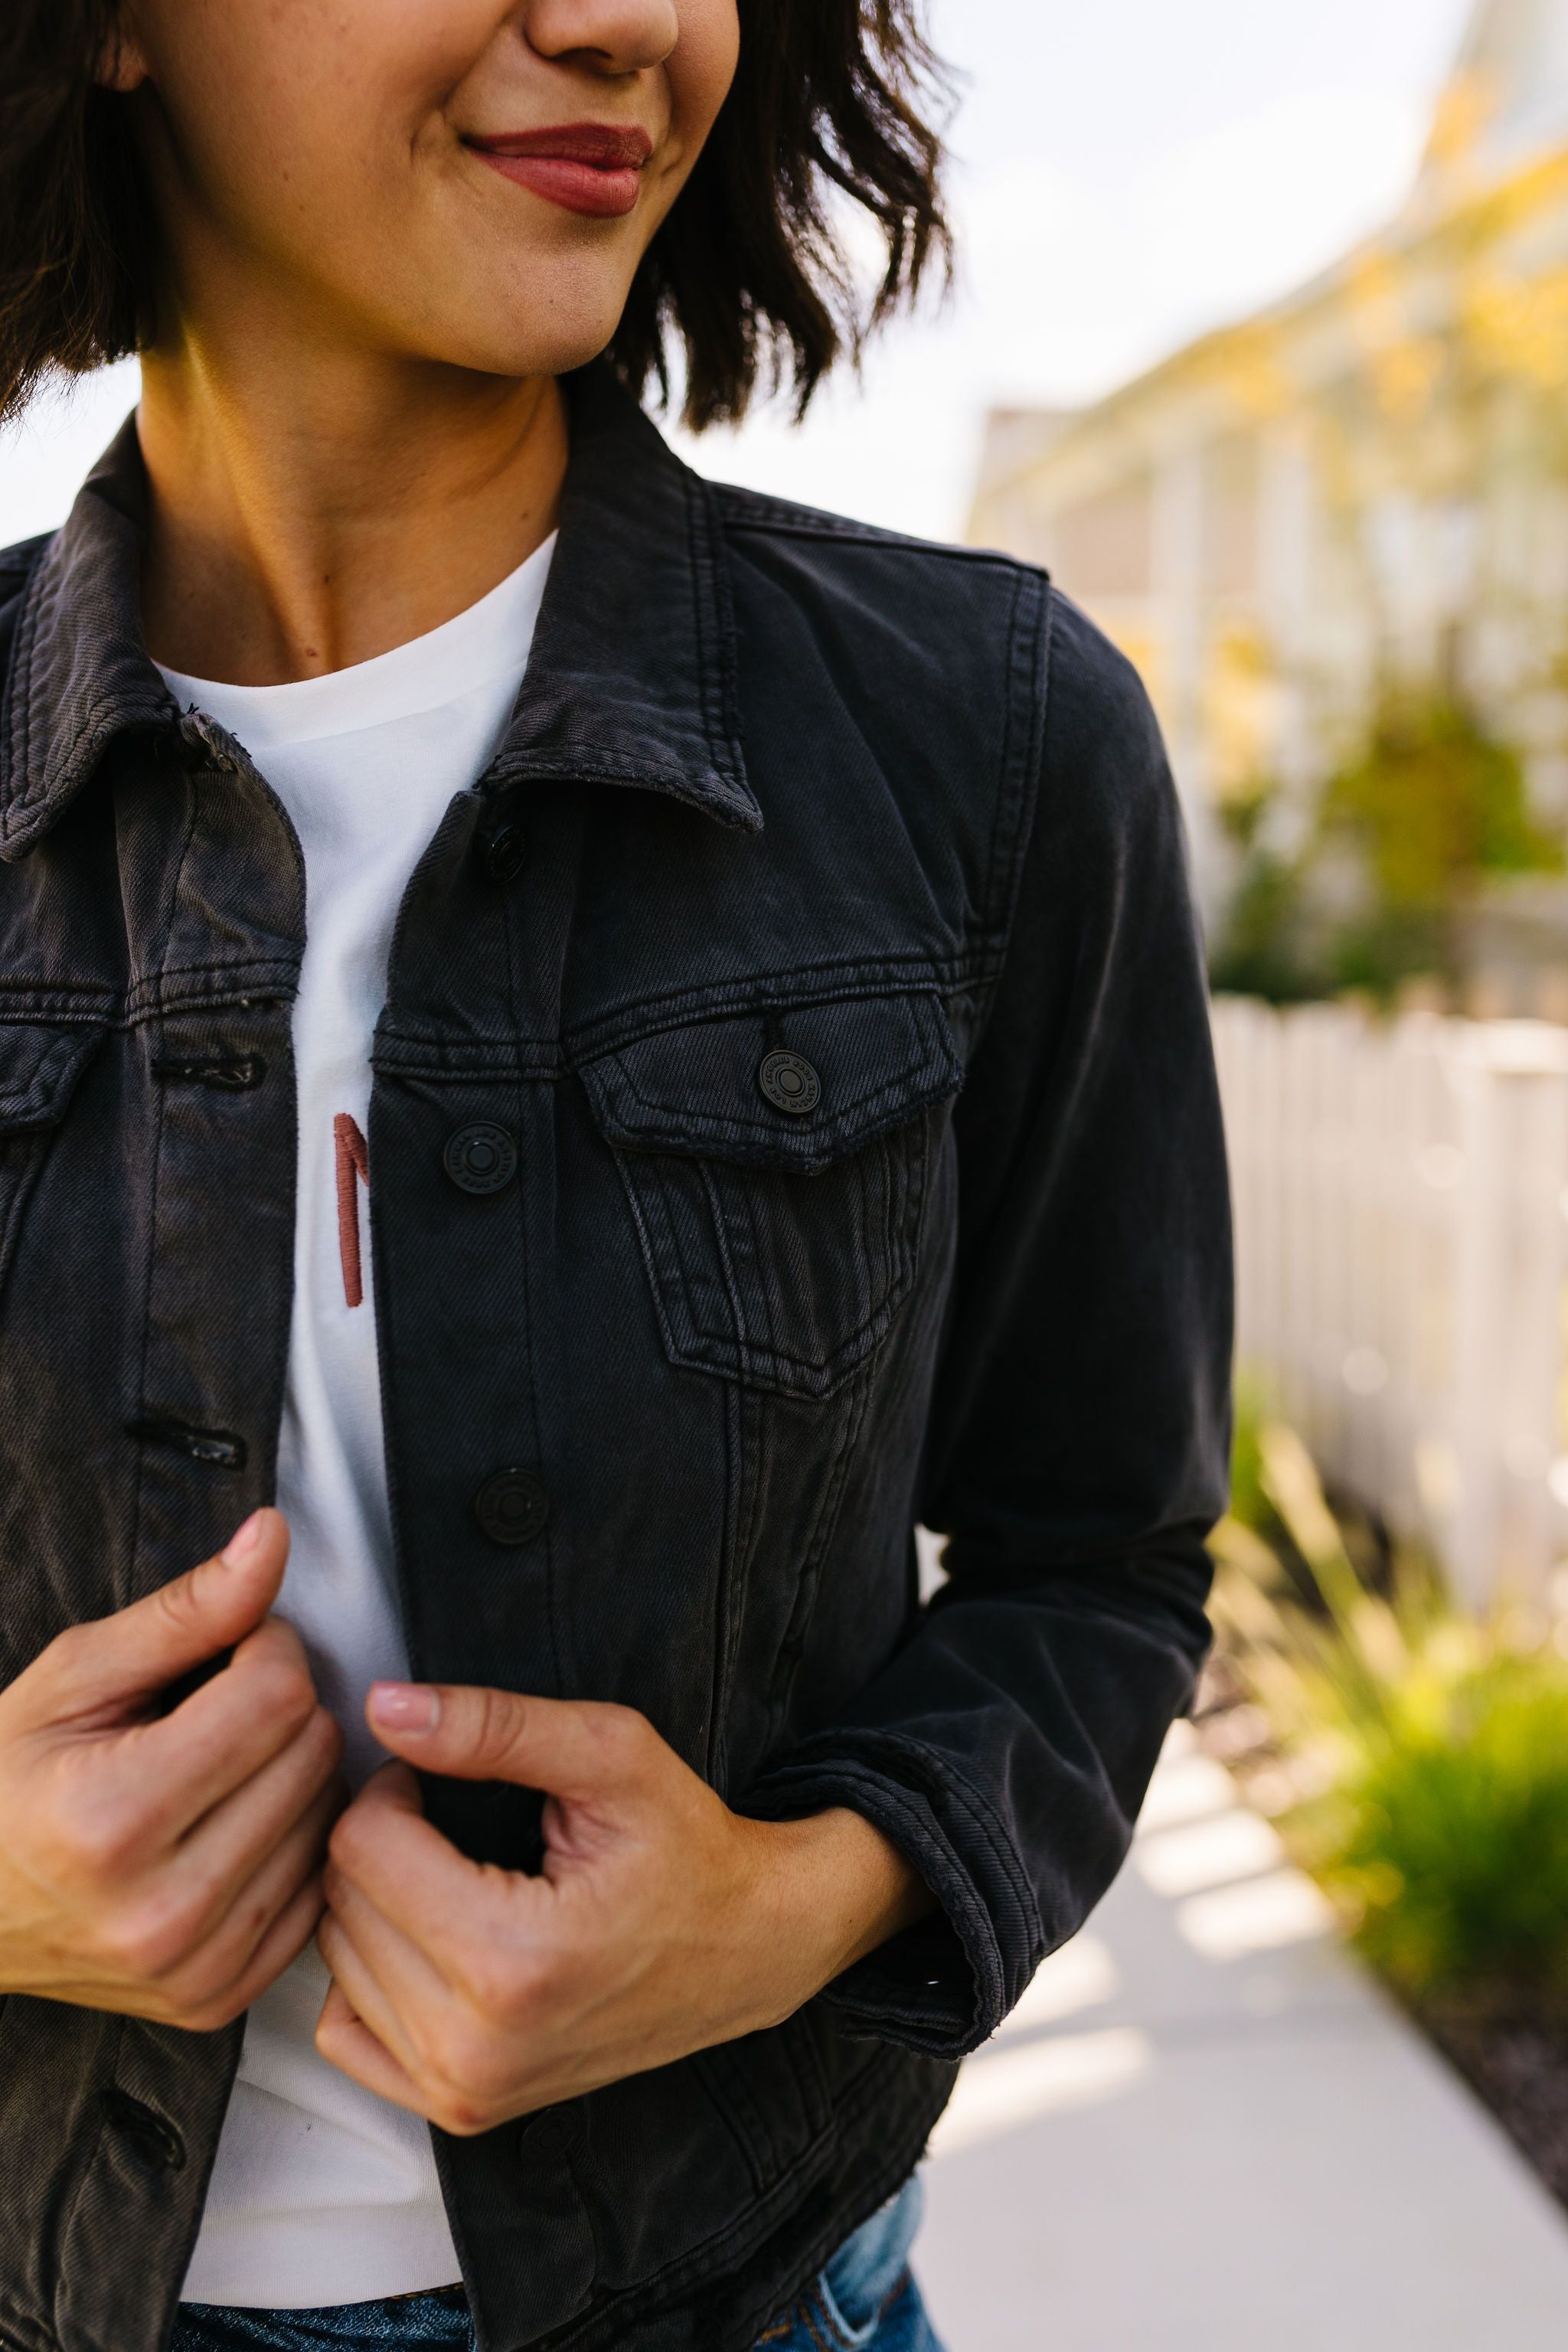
(610, 35)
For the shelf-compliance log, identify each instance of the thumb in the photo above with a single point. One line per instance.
(141, 1649)
(568, 1748)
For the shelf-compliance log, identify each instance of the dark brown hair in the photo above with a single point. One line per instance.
(747, 282)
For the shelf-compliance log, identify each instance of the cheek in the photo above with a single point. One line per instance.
(287, 110)
(703, 64)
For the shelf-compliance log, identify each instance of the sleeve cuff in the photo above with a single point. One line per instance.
(942, 1988)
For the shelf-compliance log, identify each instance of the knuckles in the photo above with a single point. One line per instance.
(624, 1744)
(508, 1991)
(623, 1732)
(326, 1737)
(183, 1604)
(348, 1847)
(196, 2013)
(96, 1837)
(150, 1939)
(275, 1672)
(470, 2074)
(70, 1655)
(497, 1725)
(464, 2118)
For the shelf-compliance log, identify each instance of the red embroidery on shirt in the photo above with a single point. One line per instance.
(354, 1164)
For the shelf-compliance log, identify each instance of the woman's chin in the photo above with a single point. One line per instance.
(538, 327)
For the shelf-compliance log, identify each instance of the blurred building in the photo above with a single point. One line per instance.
(1366, 483)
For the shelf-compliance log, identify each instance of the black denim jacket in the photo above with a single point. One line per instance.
(821, 936)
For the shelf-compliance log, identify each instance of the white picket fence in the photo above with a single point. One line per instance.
(1402, 1235)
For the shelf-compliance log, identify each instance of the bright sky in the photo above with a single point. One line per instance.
(1130, 173)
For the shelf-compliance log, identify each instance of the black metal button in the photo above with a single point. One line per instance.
(512, 1507)
(504, 851)
(481, 1159)
(789, 1083)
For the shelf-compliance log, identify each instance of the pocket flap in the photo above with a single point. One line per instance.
(795, 1088)
(40, 1063)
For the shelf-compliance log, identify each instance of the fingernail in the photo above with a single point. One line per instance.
(244, 1540)
(404, 1707)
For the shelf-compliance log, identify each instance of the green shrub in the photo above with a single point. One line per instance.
(1436, 804)
(1448, 1838)
(1434, 1748)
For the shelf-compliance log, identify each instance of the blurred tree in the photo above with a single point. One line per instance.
(1265, 948)
(1436, 805)
(1406, 836)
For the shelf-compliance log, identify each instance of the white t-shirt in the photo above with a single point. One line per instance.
(323, 2193)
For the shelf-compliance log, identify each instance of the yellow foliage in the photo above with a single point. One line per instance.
(1145, 653)
(1465, 108)
(1250, 363)
(1240, 699)
(1406, 377)
(1518, 326)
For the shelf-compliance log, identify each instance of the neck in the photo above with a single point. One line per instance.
(309, 511)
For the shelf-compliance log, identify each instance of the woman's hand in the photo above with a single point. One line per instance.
(167, 1865)
(662, 1923)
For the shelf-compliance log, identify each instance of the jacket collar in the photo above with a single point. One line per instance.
(631, 679)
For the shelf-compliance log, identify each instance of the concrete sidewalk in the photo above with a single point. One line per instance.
(1206, 2131)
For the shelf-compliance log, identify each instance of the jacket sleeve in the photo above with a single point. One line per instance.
(1077, 1445)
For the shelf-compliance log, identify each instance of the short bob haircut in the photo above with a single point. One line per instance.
(748, 279)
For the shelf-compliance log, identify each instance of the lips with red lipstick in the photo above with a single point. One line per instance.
(588, 167)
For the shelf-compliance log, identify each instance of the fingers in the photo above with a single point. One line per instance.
(393, 1987)
(385, 1847)
(217, 1985)
(570, 1748)
(228, 1959)
(231, 1896)
(278, 1949)
(417, 2046)
(216, 1739)
(347, 2043)
(226, 1973)
(97, 1671)
(225, 1849)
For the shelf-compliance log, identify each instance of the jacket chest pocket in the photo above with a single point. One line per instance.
(777, 1167)
(39, 1067)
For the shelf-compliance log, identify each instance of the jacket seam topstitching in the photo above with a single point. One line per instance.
(577, 1049)
(731, 1122)
(763, 517)
(19, 741)
(31, 1147)
(551, 1536)
(68, 2223)
(155, 977)
(825, 1525)
(865, 979)
(1034, 787)
(714, 665)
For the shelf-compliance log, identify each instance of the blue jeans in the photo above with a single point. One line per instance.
(865, 2300)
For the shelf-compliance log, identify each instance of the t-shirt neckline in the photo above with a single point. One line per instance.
(484, 641)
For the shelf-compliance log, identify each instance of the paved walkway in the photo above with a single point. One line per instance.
(1206, 2131)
